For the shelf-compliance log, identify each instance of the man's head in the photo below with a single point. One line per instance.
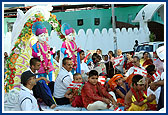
(67, 64)
(82, 54)
(136, 41)
(95, 58)
(99, 51)
(119, 52)
(151, 69)
(136, 61)
(138, 82)
(5, 54)
(93, 77)
(106, 58)
(110, 53)
(35, 64)
(28, 78)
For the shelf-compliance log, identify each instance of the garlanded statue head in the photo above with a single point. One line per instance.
(40, 30)
(68, 32)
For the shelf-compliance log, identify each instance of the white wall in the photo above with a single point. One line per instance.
(91, 40)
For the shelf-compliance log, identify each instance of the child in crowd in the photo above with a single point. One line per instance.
(74, 92)
(135, 99)
(95, 96)
(119, 87)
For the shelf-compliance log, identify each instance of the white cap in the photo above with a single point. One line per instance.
(160, 52)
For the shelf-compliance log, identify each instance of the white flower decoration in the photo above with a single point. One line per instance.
(33, 18)
(54, 25)
(51, 22)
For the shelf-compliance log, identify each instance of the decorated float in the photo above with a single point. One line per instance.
(22, 41)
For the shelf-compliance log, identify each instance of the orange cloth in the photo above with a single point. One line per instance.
(112, 82)
(129, 79)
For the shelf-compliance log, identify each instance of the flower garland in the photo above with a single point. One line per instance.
(56, 26)
(67, 43)
(136, 96)
(45, 52)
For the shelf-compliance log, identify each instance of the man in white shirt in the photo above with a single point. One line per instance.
(84, 68)
(62, 82)
(120, 65)
(26, 99)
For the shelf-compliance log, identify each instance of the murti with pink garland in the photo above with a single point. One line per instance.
(69, 47)
(41, 50)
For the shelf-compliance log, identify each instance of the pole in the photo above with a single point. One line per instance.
(114, 31)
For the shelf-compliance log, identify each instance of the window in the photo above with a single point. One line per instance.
(97, 21)
(10, 26)
(148, 48)
(80, 22)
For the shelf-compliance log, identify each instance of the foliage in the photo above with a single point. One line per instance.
(152, 37)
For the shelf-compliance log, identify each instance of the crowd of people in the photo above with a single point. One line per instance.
(133, 83)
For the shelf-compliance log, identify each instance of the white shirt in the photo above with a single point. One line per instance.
(61, 83)
(27, 101)
(84, 67)
(131, 70)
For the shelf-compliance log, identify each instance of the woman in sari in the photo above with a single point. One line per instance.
(145, 61)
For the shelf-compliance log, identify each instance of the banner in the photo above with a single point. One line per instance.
(74, 85)
(140, 71)
(156, 76)
(102, 80)
(118, 60)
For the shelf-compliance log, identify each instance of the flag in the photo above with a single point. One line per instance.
(156, 76)
(118, 60)
(102, 80)
(74, 85)
(140, 71)
(117, 109)
(86, 57)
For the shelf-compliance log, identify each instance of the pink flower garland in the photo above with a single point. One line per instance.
(48, 57)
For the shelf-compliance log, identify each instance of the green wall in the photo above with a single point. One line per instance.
(88, 18)
(123, 14)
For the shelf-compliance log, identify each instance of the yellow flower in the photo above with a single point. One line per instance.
(30, 31)
(23, 39)
(27, 36)
(17, 80)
